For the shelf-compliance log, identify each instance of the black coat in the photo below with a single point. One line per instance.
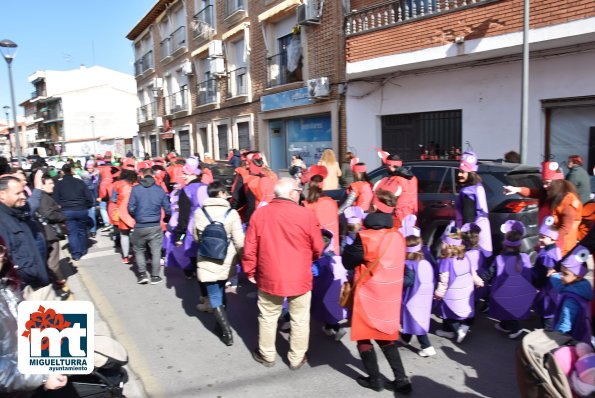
(72, 194)
(50, 211)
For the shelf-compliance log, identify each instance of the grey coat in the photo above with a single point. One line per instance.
(11, 380)
(210, 270)
(579, 177)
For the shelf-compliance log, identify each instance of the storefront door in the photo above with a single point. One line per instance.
(278, 148)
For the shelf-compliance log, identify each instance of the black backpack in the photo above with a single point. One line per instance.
(213, 240)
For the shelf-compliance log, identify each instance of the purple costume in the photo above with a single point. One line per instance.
(196, 193)
(174, 255)
(547, 298)
(457, 302)
(477, 193)
(512, 291)
(417, 299)
(479, 264)
(326, 288)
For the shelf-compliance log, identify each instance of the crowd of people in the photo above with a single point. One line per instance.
(300, 248)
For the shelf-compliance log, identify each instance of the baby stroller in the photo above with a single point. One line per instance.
(107, 379)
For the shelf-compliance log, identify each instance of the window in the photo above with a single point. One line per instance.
(243, 135)
(436, 134)
(434, 180)
(237, 75)
(222, 138)
(143, 51)
(231, 6)
(203, 23)
(207, 88)
(285, 66)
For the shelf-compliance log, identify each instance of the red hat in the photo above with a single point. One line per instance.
(551, 171)
(159, 161)
(171, 156)
(381, 206)
(108, 154)
(384, 156)
(318, 170)
(128, 163)
(357, 168)
(255, 163)
(143, 165)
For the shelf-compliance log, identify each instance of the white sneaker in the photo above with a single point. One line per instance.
(499, 327)
(446, 334)
(328, 331)
(427, 352)
(340, 333)
(462, 333)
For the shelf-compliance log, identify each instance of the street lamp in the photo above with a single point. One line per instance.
(6, 108)
(8, 49)
(92, 118)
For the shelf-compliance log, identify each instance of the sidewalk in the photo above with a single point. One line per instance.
(84, 289)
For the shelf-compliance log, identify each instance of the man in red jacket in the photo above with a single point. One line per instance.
(282, 241)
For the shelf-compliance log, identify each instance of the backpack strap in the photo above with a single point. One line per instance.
(225, 215)
(207, 214)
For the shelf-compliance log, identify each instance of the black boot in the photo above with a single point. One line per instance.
(221, 317)
(401, 385)
(374, 381)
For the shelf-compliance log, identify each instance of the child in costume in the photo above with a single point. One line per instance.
(418, 289)
(510, 273)
(549, 254)
(355, 218)
(455, 290)
(471, 235)
(575, 294)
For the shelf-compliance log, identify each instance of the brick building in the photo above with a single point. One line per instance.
(262, 74)
(430, 75)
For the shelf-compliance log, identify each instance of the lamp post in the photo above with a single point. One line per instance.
(156, 113)
(92, 119)
(8, 49)
(6, 108)
(525, 86)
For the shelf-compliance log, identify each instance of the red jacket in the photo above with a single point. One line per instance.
(282, 241)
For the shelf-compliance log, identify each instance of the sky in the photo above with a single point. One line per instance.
(62, 35)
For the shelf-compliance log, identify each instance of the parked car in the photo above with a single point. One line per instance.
(437, 191)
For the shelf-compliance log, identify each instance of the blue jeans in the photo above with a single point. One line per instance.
(103, 213)
(216, 291)
(93, 222)
(76, 222)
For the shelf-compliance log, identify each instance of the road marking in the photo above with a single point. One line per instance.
(101, 253)
(136, 361)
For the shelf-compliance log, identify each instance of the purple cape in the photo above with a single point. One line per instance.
(512, 291)
(326, 288)
(458, 301)
(417, 299)
(547, 298)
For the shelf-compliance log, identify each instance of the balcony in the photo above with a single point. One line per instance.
(398, 11)
(143, 64)
(176, 102)
(146, 113)
(202, 24)
(233, 6)
(278, 73)
(178, 39)
(165, 47)
(236, 83)
(207, 92)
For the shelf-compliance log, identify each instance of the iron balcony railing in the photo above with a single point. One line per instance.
(398, 11)
(232, 6)
(144, 63)
(277, 70)
(165, 47)
(177, 101)
(202, 23)
(236, 82)
(207, 92)
(146, 112)
(178, 39)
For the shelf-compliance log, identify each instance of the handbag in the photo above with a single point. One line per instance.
(348, 289)
(60, 230)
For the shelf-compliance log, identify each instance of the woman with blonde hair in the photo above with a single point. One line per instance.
(329, 160)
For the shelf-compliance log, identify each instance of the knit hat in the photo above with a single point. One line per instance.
(468, 161)
(192, 166)
(513, 225)
(575, 262)
(551, 171)
(548, 228)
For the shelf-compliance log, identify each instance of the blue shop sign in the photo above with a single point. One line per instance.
(285, 99)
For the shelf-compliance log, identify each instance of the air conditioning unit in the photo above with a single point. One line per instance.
(319, 88)
(217, 66)
(187, 67)
(215, 49)
(308, 13)
(157, 83)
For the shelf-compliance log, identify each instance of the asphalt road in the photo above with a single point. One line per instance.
(174, 353)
